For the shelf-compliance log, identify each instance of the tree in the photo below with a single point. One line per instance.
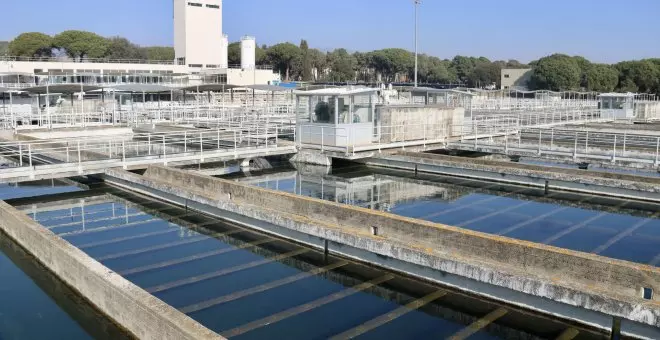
(557, 72)
(121, 48)
(391, 62)
(319, 62)
(31, 44)
(342, 64)
(234, 53)
(158, 53)
(4, 47)
(81, 44)
(484, 74)
(643, 73)
(282, 56)
(260, 55)
(601, 78)
(306, 66)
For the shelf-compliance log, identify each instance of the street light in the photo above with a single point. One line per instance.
(417, 3)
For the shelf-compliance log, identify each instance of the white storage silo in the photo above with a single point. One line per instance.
(248, 52)
(224, 51)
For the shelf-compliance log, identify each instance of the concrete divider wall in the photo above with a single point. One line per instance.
(607, 285)
(137, 311)
(618, 180)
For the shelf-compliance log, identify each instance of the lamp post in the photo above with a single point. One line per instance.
(417, 3)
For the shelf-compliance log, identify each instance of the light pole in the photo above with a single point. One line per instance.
(417, 3)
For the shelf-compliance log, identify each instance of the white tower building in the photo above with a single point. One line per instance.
(224, 60)
(198, 38)
(248, 52)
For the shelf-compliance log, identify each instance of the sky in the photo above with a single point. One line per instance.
(600, 30)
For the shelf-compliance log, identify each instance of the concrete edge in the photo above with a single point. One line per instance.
(497, 238)
(140, 313)
(540, 169)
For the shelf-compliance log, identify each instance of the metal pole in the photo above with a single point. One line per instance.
(11, 111)
(417, 2)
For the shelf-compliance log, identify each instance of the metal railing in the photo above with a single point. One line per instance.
(94, 154)
(109, 61)
(352, 138)
(577, 145)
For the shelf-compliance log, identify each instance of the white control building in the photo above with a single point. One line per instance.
(201, 55)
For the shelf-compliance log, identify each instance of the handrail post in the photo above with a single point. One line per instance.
(201, 148)
(164, 151)
(20, 154)
(235, 146)
(552, 138)
(123, 154)
(30, 153)
(575, 147)
(79, 158)
(614, 150)
(657, 152)
(586, 142)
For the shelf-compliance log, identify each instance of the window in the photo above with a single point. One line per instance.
(212, 66)
(195, 65)
(213, 6)
(647, 293)
(506, 76)
(195, 4)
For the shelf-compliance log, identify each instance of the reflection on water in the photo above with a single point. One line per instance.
(36, 188)
(34, 304)
(615, 228)
(248, 285)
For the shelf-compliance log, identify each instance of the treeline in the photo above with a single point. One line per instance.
(560, 72)
(80, 45)
(556, 72)
(300, 62)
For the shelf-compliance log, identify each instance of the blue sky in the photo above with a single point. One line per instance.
(601, 30)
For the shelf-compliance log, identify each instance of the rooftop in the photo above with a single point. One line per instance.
(338, 91)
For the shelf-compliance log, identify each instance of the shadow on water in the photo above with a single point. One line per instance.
(80, 310)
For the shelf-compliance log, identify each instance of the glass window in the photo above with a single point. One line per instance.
(324, 109)
(362, 110)
(605, 104)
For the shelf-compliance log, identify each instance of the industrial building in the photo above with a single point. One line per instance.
(515, 78)
(200, 57)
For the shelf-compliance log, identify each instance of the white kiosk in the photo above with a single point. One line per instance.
(617, 105)
(336, 117)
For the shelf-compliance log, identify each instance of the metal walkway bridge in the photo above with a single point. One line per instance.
(34, 159)
(577, 145)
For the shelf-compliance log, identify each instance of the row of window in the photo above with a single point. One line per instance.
(200, 65)
(197, 4)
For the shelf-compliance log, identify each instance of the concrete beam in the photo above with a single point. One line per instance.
(555, 281)
(593, 182)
